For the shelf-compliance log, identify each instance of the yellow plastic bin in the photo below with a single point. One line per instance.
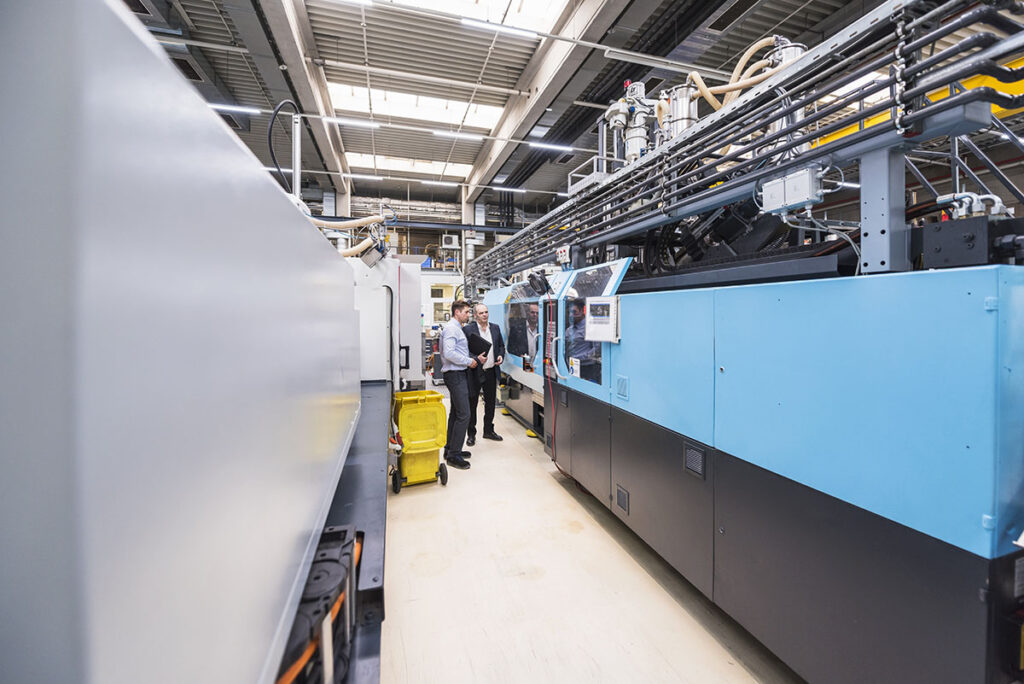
(422, 424)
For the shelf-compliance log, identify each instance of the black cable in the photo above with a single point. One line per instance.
(270, 140)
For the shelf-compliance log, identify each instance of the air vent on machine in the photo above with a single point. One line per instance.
(622, 387)
(622, 498)
(186, 68)
(695, 461)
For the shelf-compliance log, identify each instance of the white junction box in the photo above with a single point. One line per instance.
(795, 191)
(602, 319)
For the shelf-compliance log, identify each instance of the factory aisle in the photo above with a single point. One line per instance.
(513, 574)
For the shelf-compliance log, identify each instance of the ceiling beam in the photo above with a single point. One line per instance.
(289, 27)
(548, 71)
(253, 36)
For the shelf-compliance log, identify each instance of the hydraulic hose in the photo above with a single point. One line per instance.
(270, 139)
(358, 249)
(735, 80)
(346, 224)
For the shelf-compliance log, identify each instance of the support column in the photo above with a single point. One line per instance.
(343, 203)
(468, 208)
(884, 237)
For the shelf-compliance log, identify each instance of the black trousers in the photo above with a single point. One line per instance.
(457, 383)
(486, 380)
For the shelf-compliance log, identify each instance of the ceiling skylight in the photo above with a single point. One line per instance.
(431, 168)
(388, 103)
(536, 15)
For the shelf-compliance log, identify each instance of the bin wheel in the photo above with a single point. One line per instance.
(396, 482)
(443, 472)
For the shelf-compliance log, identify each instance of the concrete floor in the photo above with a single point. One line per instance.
(512, 573)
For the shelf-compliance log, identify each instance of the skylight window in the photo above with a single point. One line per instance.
(389, 103)
(401, 165)
(536, 15)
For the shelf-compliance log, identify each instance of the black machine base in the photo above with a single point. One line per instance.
(842, 595)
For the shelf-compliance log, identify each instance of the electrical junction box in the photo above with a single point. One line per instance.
(795, 191)
(450, 242)
(562, 254)
(602, 319)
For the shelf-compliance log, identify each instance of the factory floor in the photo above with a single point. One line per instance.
(512, 573)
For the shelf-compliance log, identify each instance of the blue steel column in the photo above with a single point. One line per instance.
(884, 236)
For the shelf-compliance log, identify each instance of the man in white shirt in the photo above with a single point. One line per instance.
(457, 365)
(532, 329)
(486, 378)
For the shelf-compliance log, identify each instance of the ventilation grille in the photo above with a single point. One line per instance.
(622, 498)
(230, 121)
(695, 461)
(186, 68)
(137, 7)
(622, 387)
(730, 15)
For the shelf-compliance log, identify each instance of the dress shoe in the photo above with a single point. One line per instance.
(465, 454)
(471, 440)
(492, 435)
(456, 461)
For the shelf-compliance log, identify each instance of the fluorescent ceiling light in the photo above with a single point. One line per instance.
(659, 63)
(363, 176)
(425, 167)
(234, 108)
(500, 28)
(360, 123)
(562, 194)
(271, 168)
(463, 136)
(391, 104)
(442, 183)
(546, 146)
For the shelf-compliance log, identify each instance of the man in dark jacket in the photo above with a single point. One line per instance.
(485, 378)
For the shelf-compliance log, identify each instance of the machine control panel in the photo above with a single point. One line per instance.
(602, 319)
(551, 334)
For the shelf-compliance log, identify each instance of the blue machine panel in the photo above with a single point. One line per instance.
(1010, 417)
(894, 393)
(667, 358)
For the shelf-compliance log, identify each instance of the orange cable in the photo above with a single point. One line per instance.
(289, 676)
